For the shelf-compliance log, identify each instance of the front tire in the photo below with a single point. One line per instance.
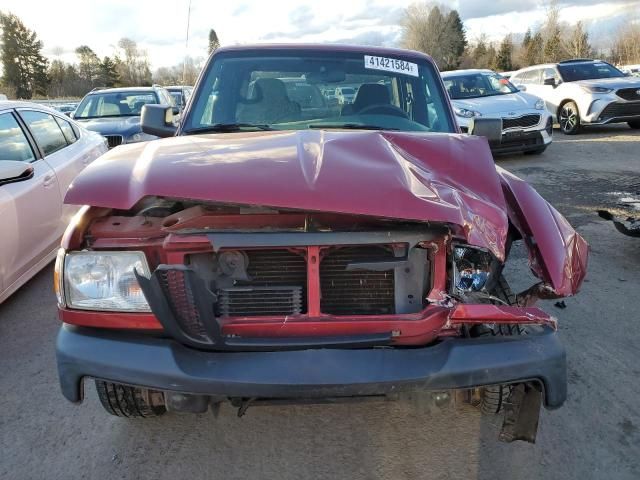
(124, 401)
(635, 125)
(493, 397)
(569, 118)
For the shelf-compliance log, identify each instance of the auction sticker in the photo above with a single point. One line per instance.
(391, 65)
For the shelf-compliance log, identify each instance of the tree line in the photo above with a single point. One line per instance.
(427, 27)
(437, 30)
(27, 73)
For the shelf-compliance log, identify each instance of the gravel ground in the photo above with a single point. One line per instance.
(596, 435)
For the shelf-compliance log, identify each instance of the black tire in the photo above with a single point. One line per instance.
(635, 125)
(569, 118)
(124, 401)
(537, 151)
(493, 397)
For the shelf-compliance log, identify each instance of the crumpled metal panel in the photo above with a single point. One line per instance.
(440, 178)
(557, 253)
(446, 178)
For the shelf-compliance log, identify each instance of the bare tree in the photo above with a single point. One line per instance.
(626, 46)
(577, 43)
(436, 31)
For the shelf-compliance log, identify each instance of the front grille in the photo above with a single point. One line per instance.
(620, 110)
(629, 93)
(113, 140)
(273, 272)
(182, 302)
(251, 301)
(524, 121)
(356, 292)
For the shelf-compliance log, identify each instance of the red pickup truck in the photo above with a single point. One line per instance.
(283, 249)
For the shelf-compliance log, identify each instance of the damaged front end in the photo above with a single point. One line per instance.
(301, 284)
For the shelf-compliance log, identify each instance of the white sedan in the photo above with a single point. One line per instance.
(41, 152)
(526, 124)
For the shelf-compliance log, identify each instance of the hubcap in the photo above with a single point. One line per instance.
(568, 119)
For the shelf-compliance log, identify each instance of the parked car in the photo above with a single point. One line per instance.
(583, 92)
(345, 95)
(357, 255)
(526, 124)
(180, 94)
(115, 112)
(66, 108)
(41, 151)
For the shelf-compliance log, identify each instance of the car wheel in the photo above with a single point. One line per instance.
(569, 118)
(493, 397)
(124, 401)
(635, 125)
(537, 151)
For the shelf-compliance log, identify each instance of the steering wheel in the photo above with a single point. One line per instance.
(384, 109)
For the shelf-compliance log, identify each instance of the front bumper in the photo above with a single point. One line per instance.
(455, 363)
(611, 109)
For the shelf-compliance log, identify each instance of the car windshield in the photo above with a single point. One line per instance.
(572, 72)
(114, 104)
(280, 90)
(474, 85)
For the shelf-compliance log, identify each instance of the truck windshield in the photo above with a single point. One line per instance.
(291, 90)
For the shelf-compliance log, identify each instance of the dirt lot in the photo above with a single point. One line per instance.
(596, 435)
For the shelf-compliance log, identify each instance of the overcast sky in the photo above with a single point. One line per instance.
(160, 27)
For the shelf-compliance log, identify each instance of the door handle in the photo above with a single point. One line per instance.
(48, 180)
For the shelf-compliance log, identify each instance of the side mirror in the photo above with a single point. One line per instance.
(522, 88)
(158, 120)
(12, 171)
(550, 81)
(490, 128)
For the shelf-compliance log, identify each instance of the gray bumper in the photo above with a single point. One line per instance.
(164, 364)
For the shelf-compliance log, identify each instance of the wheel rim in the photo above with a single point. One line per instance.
(568, 118)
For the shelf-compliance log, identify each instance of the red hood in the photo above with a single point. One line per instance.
(427, 177)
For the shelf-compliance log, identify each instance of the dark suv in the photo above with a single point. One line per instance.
(115, 112)
(268, 252)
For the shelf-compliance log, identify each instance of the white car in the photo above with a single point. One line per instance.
(526, 124)
(41, 153)
(584, 92)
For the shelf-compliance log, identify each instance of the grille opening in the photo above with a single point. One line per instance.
(182, 301)
(276, 285)
(521, 122)
(113, 140)
(356, 292)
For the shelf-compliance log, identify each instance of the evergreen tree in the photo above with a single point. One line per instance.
(578, 45)
(456, 40)
(88, 68)
(24, 66)
(503, 59)
(109, 72)
(214, 43)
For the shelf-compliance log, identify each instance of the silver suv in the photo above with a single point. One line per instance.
(583, 92)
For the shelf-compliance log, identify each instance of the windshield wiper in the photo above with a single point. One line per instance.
(350, 126)
(229, 127)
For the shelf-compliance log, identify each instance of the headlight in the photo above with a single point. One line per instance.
(465, 113)
(104, 281)
(471, 269)
(139, 137)
(539, 105)
(590, 89)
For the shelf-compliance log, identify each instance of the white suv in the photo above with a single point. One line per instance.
(583, 92)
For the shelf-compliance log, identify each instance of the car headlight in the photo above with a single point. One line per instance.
(94, 280)
(591, 89)
(139, 137)
(539, 105)
(466, 113)
(471, 269)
